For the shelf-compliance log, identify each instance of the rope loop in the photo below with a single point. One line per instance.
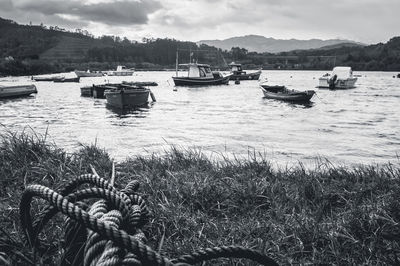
(108, 232)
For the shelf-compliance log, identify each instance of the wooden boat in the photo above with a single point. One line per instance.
(200, 75)
(140, 83)
(17, 90)
(340, 78)
(86, 74)
(121, 71)
(64, 79)
(128, 97)
(282, 93)
(239, 74)
(98, 91)
(87, 91)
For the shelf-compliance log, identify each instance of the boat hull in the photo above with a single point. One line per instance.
(87, 91)
(17, 91)
(250, 76)
(186, 81)
(339, 84)
(119, 73)
(127, 98)
(46, 78)
(67, 80)
(83, 74)
(295, 96)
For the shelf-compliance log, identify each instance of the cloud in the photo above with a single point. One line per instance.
(368, 21)
(123, 12)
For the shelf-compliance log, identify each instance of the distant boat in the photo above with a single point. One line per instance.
(17, 91)
(200, 75)
(239, 74)
(64, 79)
(86, 74)
(127, 97)
(340, 78)
(121, 71)
(282, 93)
(47, 78)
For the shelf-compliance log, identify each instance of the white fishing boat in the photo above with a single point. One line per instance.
(121, 71)
(7, 91)
(200, 75)
(340, 78)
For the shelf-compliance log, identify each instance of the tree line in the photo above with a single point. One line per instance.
(22, 47)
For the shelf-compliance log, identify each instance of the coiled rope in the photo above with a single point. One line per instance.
(109, 232)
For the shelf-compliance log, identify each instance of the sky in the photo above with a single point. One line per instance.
(367, 21)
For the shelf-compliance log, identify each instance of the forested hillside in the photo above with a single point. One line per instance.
(30, 50)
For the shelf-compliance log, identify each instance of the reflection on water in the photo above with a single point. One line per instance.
(127, 112)
(357, 125)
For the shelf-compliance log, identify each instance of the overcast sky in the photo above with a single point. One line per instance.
(368, 21)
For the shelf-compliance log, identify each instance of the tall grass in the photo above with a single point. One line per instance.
(326, 215)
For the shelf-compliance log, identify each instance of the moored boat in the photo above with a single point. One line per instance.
(98, 91)
(340, 78)
(86, 74)
(87, 91)
(282, 93)
(127, 97)
(47, 78)
(200, 75)
(121, 71)
(239, 74)
(16, 90)
(64, 79)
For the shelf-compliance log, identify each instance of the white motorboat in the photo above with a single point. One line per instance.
(340, 78)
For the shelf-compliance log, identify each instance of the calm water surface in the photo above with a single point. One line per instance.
(360, 125)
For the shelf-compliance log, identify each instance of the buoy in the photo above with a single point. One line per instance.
(237, 81)
(153, 98)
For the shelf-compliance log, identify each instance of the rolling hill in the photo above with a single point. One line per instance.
(261, 44)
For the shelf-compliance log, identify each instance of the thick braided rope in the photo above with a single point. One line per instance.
(138, 211)
(106, 253)
(225, 252)
(144, 253)
(50, 211)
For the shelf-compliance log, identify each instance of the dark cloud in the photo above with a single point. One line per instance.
(124, 12)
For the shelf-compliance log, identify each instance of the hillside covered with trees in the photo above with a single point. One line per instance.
(30, 50)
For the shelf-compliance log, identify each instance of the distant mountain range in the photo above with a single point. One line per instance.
(261, 44)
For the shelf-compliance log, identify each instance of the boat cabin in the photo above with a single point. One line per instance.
(342, 72)
(199, 70)
(235, 67)
(122, 68)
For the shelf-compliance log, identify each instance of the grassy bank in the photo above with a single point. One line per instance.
(326, 215)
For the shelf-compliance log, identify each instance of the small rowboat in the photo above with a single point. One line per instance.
(282, 93)
(17, 91)
(128, 97)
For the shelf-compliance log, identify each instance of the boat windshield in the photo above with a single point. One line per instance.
(236, 68)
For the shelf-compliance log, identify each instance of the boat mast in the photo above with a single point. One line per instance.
(176, 67)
